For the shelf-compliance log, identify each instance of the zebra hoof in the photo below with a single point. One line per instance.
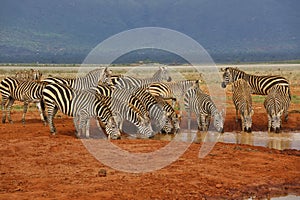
(11, 122)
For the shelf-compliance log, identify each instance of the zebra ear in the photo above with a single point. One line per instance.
(222, 70)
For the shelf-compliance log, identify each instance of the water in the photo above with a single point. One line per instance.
(281, 141)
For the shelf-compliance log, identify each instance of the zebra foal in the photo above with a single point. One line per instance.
(276, 103)
(242, 100)
(82, 105)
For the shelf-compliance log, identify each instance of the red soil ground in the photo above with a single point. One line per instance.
(35, 165)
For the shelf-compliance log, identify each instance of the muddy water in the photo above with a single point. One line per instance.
(281, 141)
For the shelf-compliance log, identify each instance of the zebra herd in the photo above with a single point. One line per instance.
(117, 99)
(276, 89)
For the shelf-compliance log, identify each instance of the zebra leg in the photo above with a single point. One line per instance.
(25, 107)
(3, 108)
(204, 122)
(269, 123)
(41, 109)
(87, 131)
(10, 103)
(199, 123)
(189, 119)
(51, 113)
(75, 122)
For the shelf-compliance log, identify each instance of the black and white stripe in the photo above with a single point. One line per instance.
(131, 82)
(24, 91)
(82, 105)
(90, 80)
(276, 103)
(202, 105)
(127, 111)
(259, 84)
(242, 100)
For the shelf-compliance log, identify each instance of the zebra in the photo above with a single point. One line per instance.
(131, 82)
(24, 91)
(202, 105)
(276, 103)
(31, 75)
(90, 80)
(259, 84)
(80, 104)
(170, 90)
(242, 100)
(126, 96)
(153, 107)
(126, 111)
(158, 112)
(174, 117)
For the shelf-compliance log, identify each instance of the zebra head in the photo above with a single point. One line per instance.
(227, 77)
(168, 125)
(176, 118)
(112, 129)
(276, 120)
(163, 74)
(219, 121)
(247, 120)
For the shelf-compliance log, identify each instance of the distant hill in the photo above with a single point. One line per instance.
(65, 31)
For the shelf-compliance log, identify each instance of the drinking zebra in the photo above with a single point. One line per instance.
(276, 103)
(243, 103)
(24, 91)
(90, 80)
(131, 82)
(126, 111)
(162, 119)
(80, 104)
(202, 105)
(260, 85)
(147, 104)
(31, 75)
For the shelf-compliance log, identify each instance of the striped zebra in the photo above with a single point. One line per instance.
(276, 103)
(259, 84)
(31, 75)
(172, 115)
(170, 90)
(242, 100)
(90, 80)
(80, 104)
(202, 105)
(126, 111)
(159, 113)
(153, 108)
(24, 91)
(125, 96)
(131, 82)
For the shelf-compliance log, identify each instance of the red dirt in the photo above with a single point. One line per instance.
(35, 165)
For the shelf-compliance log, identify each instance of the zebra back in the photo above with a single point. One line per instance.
(131, 82)
(91, 79)
(259, 84)
(170, 89)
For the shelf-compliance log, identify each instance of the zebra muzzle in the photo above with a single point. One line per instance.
(223, 85)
